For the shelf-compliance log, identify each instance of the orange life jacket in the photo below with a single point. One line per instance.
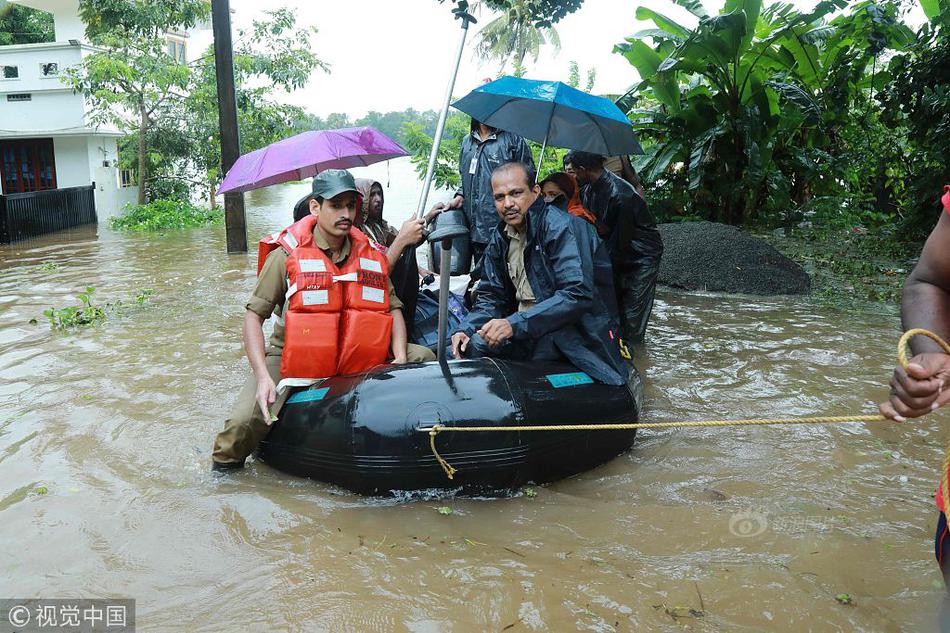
(336, 319)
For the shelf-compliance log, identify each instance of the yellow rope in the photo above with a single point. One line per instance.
(902, 347)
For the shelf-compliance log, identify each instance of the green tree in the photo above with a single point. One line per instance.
(185, 148)
(513, 35)
(23, 25)
(130, 81)
(916, 109)
(741, 112)
(542, 13)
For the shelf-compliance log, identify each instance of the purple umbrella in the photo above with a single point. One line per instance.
(307, 154)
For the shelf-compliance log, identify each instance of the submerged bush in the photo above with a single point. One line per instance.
(160, 215)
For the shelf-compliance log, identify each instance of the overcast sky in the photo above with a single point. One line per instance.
(394, 54)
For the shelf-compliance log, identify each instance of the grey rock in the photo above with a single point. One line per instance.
(721, 258)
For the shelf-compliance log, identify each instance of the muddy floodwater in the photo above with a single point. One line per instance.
(105, 489)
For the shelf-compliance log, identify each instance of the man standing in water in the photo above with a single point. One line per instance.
(484, 149)
(632, 238)
(925, 385)
(546, 292)
(319, 245)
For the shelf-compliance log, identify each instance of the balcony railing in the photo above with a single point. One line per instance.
(26, 215)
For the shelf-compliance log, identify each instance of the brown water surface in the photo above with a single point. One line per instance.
(733, 529)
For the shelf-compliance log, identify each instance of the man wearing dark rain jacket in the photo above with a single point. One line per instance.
(539, 298)
(484, 149)
(632, 239)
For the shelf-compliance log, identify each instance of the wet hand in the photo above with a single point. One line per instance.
(922, 388)
(411, 231)
(266, 396)
(459, 344)
(496, 332)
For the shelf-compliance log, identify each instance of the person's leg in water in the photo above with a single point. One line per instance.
(942, 553)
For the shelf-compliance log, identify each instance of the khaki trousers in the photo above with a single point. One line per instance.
(245, 427)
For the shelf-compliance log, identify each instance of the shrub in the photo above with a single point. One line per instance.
(160, 215)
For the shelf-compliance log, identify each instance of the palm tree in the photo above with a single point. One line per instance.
(513, 35)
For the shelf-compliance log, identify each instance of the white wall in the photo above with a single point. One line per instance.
(46, 113)
(110, 198)
(67, 25)
(29, 57)
(72, 161)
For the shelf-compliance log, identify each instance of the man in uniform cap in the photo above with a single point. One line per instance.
(334, 202)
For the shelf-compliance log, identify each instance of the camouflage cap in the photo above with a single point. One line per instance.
(332, 182)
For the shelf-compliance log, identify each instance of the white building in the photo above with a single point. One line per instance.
(46, 138)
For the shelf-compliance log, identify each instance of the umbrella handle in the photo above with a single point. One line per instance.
(466, 19)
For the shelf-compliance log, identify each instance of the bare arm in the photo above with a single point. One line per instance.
(400, 338)
(926, 302)
(409, 235)
(925, 385)
(253, 334)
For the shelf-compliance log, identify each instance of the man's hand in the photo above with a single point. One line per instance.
(411, 232)
(922, 388)
(455, 203)
(459, 343)
(266, 396)
(496, 332)
(400, 360)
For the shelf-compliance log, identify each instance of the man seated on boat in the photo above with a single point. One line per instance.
(337, 312)
(546, 292)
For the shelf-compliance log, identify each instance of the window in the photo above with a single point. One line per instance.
(176, 49)
(26, 96)
(127, 178)
(49, 70)
(9, 72)
(27, 165)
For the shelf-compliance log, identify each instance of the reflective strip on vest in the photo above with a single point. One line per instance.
(371, 264)
(312, 266)
(376, 295)
(315, 297)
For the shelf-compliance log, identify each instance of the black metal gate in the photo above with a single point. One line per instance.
(26, 215)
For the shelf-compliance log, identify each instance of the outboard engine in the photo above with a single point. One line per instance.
(451, 223)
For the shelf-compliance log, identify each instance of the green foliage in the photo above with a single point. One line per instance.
(916, 110)
(389, 123)
(541, 13)
(23, 25)
(87, 313)
(160, 215)
(272, 54)
(418, 142)
(751, 116)
(142, 296)
(514, 35)
(133, 19)
(169, 109)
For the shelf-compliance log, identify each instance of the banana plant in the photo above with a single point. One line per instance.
(737, 109)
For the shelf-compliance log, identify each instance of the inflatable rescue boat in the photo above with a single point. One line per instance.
(363, 432)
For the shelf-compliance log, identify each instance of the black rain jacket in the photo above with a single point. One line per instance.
(569, 271)
(632, 237)
(479, 206)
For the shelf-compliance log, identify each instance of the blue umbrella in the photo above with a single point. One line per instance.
(552, 112)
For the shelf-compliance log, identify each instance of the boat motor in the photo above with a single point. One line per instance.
(451, 224)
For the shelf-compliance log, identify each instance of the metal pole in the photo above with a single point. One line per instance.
(440, 127)
(445, 266)
(234, 220)
(541, 158)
